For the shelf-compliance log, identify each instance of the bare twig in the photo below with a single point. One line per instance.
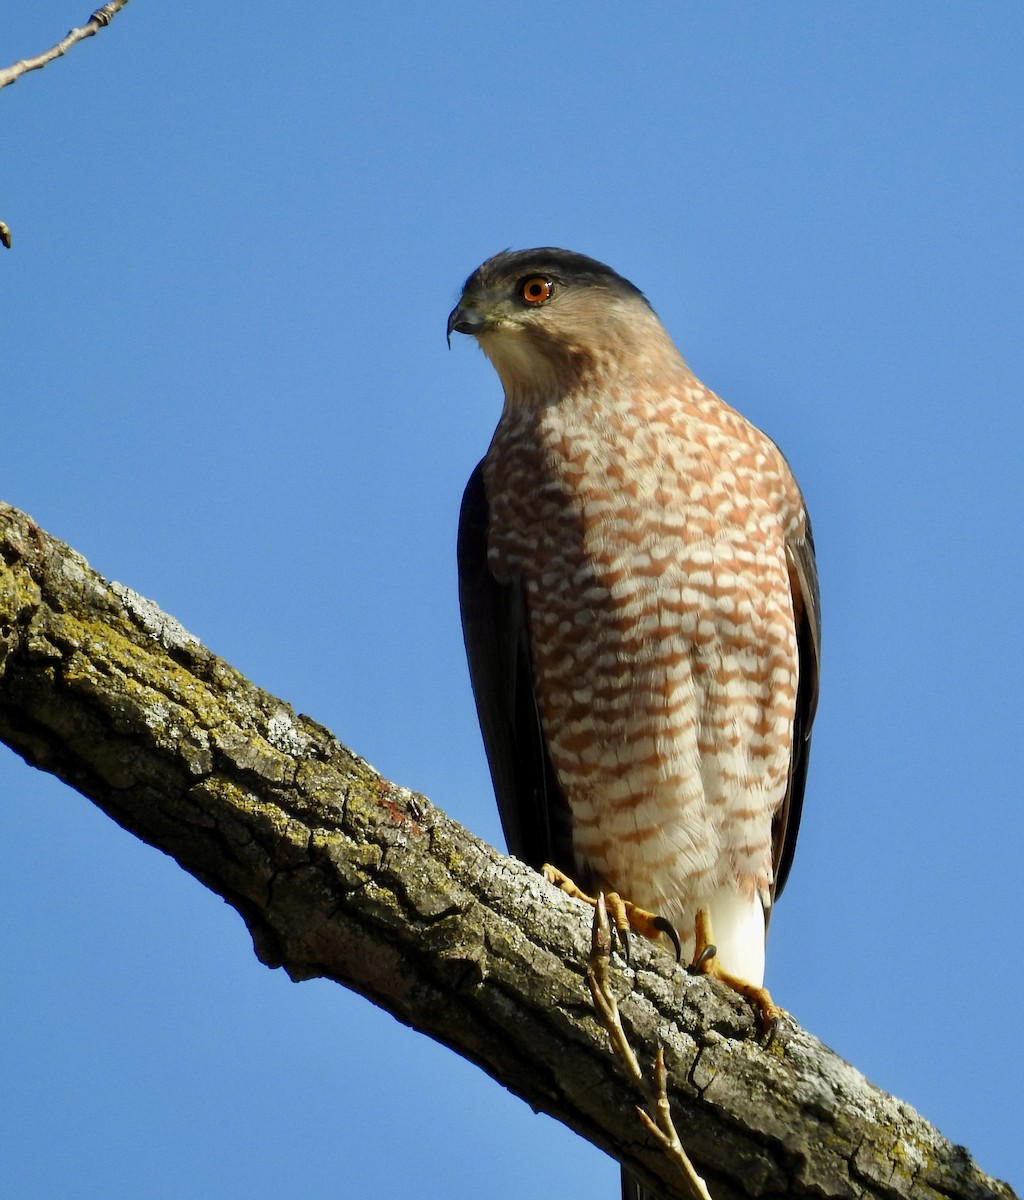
(660, 1126)
(102, 16)
(600, 989)
(664, 1131)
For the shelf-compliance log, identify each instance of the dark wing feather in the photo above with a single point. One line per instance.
(534, 814)
(803, 577)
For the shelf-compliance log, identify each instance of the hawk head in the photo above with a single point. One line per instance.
(552, 321)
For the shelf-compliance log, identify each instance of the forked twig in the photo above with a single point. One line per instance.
(660, 1126)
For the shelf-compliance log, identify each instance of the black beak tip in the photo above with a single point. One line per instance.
(463, 320)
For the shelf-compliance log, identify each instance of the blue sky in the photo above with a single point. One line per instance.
(238, 232)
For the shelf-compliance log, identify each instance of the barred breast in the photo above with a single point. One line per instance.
(649, 531)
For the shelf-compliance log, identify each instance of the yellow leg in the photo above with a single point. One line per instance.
(705, 960)
(625, 915)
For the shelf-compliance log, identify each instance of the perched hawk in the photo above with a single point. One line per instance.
(640, 607)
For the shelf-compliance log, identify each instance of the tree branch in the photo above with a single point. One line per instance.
(101, 17)
(339, 873)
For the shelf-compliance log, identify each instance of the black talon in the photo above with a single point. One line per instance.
(705, 956)
(666, 927)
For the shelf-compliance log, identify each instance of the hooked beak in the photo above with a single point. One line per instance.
(464, 320)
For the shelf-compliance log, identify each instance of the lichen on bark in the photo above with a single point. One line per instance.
(342, 874)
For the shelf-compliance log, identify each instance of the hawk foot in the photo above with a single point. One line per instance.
(625, 916)
(706, 962)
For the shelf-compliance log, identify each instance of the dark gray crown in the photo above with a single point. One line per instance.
(561, 266)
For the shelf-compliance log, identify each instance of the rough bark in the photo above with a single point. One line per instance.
(341, 874)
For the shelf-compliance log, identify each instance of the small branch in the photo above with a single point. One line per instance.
(664, 1131)
(101, 17)
(661, 1127)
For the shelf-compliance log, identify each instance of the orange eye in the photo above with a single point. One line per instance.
(536, 289)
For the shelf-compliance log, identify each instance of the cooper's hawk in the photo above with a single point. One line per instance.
(640, 607)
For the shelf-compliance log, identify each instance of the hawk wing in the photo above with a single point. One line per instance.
(534, 814)
(803, 581)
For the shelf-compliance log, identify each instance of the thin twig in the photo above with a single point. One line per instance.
(660, 1126)
(600, 989)
(101, 17)
(664, 1131)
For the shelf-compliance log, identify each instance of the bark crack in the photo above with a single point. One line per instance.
(339, 873)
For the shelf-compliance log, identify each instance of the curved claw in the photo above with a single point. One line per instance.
(623, 917)
(705, 956)
(669, 930)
